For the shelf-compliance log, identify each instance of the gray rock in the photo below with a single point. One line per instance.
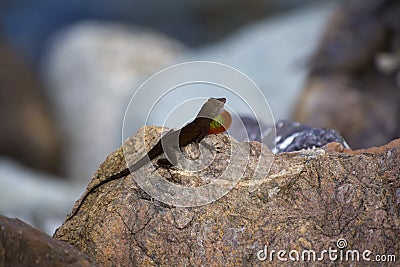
(293, 136)
(273, 52)
(92, 69)
(287, 136)
(39, 199)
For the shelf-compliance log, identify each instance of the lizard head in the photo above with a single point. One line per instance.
(222, 99)
(212, 108)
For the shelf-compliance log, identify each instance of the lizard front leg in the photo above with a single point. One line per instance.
(169, 161)
(200, 140)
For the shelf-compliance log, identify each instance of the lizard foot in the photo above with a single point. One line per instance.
(164, 163)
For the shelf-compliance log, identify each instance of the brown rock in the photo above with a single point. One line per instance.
(337, 147)
(27, 130)
(355, 33)
(308, 200)
(23, 245)
(365, 112)
(353, 85)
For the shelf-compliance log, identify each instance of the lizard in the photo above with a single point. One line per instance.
(209, 120)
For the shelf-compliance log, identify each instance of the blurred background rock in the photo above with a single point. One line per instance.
(354, 81)
(68, 69)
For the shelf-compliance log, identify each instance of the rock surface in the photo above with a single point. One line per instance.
(354, 85)
(23, 245)
(309, 200)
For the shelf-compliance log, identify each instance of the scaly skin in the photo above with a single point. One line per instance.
(195, 131)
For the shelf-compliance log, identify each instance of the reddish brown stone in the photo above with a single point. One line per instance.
(373, 150)
(23, 245)
(309, 200)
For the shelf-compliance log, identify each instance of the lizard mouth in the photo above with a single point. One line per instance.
(222, 99)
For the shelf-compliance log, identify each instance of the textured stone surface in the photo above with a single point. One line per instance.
(309, 200)
(23, 245)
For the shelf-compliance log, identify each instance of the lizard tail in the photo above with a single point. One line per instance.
(116, 176)
(139, 164)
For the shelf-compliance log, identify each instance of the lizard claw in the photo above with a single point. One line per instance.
(218, 149)
(211, 148)
(208, 146)
(164, 163)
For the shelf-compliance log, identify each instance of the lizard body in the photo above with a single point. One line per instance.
(194, 131)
